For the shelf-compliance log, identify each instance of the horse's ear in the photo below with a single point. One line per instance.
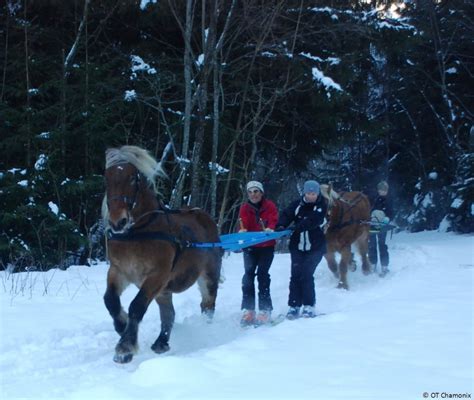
(325, 191)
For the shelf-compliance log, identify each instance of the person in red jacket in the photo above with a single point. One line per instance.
(256, 215)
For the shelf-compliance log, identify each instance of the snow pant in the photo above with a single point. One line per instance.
(303, 265)
(378, 240)
(257, 262)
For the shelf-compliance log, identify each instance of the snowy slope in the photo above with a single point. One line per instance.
(391, 338)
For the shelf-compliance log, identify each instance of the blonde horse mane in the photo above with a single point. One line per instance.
(329, 194)
(140, 159)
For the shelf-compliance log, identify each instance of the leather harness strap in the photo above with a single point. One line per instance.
(351, 204)
(133, 236)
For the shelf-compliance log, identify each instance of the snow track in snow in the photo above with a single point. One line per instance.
(395, 337)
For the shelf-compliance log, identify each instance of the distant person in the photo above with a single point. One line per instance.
(382, 213)
(307, 247)
(256, 215)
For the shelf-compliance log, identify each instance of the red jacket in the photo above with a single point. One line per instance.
(255, 219)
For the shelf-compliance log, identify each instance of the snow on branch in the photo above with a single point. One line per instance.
(144, 3)
(380, 18)
(138, 65)
(218, 169)
(327, 82)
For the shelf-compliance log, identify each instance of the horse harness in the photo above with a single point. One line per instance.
(180, 244)
(340, 224)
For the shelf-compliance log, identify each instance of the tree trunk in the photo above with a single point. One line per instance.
(5, 61)
(177, 196)
(215, 139)
(87, 156)
(238, 130)
(29, 149)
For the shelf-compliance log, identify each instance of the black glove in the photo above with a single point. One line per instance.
(304, 225)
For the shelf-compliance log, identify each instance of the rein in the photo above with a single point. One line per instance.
(134, 236)
(140, 236)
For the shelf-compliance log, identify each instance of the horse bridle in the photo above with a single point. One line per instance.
(131, 202)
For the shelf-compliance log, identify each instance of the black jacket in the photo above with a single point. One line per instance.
(383, 203)
(307, 217)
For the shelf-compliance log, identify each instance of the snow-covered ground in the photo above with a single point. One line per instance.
(391, 338)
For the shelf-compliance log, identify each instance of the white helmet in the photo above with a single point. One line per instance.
(377, 216)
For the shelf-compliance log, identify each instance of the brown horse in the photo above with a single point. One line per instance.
(348, 214)
(148, 245)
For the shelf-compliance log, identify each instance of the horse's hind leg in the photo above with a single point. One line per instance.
(352, 264)
(346, 257)
(115, 286)
(362, 245)
(208, 285)
(167, 315)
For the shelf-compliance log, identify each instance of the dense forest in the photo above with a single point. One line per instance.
(224, 91)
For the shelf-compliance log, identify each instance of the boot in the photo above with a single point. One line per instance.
(308, 312)
(293, 313)
(384, 271)
(248, 318)
(263, 317)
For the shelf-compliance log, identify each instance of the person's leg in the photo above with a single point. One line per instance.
(383, 251)
(264, 262)
(311, 261)
(373, 250)
(248, 287)
(294, 298)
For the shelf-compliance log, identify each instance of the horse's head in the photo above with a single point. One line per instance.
(331, 196)
(335, 211)
(122, 186)
(130, 186)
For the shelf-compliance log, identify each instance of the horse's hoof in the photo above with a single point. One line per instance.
(160, 347)
(123, 358)
(124, 351)
(208, 315)
(343, 285)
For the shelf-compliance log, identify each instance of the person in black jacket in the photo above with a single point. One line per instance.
(307, 247)
(382, 212)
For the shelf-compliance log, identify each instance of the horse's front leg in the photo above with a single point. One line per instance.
(167, 314)
(115, 286)
(346, 257)
(127, 345)
(330, 257)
